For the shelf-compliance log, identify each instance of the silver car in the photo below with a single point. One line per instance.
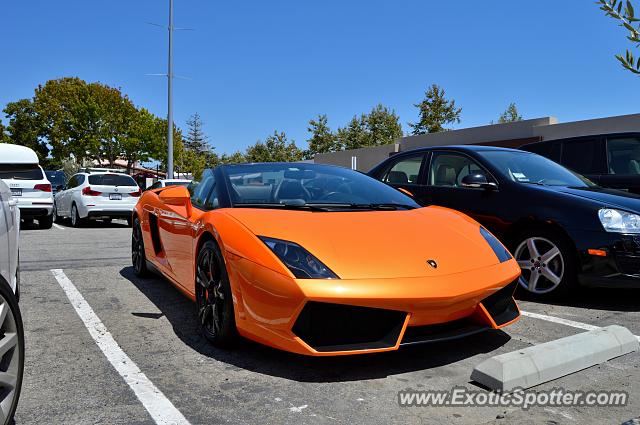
(11, 331)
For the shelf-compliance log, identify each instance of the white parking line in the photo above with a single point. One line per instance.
(159, 407)
(57, 226)
(562, 321)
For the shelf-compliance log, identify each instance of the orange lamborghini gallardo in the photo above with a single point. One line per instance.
(322, 260)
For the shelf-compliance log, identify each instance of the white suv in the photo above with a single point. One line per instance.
(30, 188)
(97, 196)
(9, 238)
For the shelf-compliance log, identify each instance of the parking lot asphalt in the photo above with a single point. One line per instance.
(68, 379)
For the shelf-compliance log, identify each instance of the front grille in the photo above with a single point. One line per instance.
(338, 327)
(441, 331)
(501, 305)
(628, 264)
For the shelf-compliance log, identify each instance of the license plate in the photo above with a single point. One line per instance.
(16, 192)
(115, 196)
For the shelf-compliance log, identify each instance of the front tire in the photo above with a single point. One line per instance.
(213, 297)
(548, 264)
(138, 257)
(12, 364)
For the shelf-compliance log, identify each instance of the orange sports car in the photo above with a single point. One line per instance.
(322, 260)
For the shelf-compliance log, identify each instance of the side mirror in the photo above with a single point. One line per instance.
(477, 180)
(177, 196)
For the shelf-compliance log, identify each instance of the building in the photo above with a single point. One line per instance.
(513, 135)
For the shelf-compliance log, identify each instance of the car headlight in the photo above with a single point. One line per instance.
(301, 262)
(499, 249)
(619, 221)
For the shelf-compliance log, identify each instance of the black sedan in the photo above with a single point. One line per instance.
(562, 229)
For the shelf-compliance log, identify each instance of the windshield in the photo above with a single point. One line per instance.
(55, 177)
(309, 184)
(111, 180)
(524, 167)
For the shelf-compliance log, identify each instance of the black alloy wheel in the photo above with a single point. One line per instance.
(138, 257)
(213, 297)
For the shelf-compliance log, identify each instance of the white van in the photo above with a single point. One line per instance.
(20, 170)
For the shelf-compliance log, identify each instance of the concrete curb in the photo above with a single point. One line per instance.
(542, 363)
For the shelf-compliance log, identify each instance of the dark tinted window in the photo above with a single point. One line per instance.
(55, 177)
(111, 180)
(581, 156)
(20, 171)
(405, 170)
(185, 184)
(80, 179)
(624, 155)
(201, 190)
(73, 182)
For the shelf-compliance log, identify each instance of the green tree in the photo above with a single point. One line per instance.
(235, 158)
(143, 139)
(4, 137)
(196, 140)
(25, 127)
(381, 126)
(435, 111)
(623, 12)
(275, 148)
(510, 114)
(322, 139)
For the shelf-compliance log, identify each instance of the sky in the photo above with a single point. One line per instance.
(253, 67)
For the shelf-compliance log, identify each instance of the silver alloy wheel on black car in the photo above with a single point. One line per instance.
(11, 354)
(542, 265)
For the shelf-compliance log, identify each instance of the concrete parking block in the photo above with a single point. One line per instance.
(544, 362)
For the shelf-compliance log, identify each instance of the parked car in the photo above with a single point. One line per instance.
(169, 182)
(20, 170)
(561, 228)
(11, 328)
(96, 196)
(298, 257)
(56, 178)
(609, 160)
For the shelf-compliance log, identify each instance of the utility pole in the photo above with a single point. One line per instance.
(170, 97)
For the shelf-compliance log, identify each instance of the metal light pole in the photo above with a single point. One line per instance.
(170, 97)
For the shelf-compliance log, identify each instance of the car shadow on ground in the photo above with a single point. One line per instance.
(96, 224)
(609, 299)
(248, 355)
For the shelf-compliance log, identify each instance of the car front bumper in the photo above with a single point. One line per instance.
(617, 263)
(321, 317)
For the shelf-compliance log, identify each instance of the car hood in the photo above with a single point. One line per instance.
(379, 244)
(605, 197)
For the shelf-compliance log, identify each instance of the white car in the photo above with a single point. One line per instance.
(96, 196)
(11, 328)
(20, 170)
(169, 182)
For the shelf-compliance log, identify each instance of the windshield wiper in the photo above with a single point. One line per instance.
(303, 207)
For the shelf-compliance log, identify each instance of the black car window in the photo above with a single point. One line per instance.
(20, 171)
(111, 180)
(405, 170)
(73, 182)
(448, 169)
(624, 155)
(200, 192)
(581, 156)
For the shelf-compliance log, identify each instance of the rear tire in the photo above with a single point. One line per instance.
(129, 222)
(76, 221)
(138, 257)
(214, 303)
(45, 222)
(56, 217)
(548, 264)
